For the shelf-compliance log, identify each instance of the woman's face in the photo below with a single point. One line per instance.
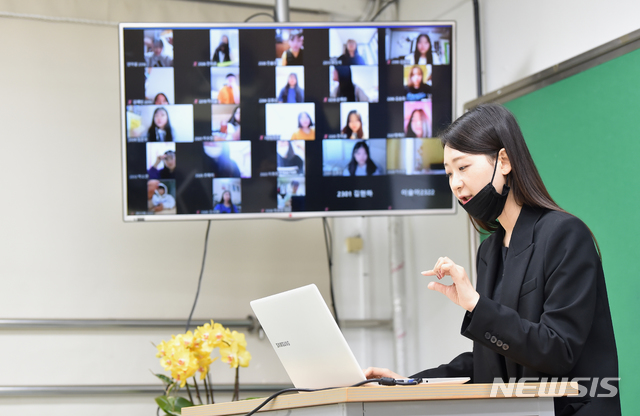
(423, 45)
(361, 156)
(305, 121)
(225, 39)
(292, 80)
(416, 77)
(160, 100)
(170, 161)
(160, 118)
(469, 173)
(351, 46)
(282, 148)
(226, 197)
(416, 124)
(236, 115)
(354, 122)
(213, 149)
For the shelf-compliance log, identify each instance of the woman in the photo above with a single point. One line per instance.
(225, 206)
(233, 125)
(222, 54)
(346, 88)
(353, 129)
(361, 163)
(160, 129)
(423, 54)
(161, 99)
(291, 93)
(218, 161)
(305, 130)
(168, 170)
(416, 89)
(418, 125)
(540, 307)
(288, 161)
(351, 55)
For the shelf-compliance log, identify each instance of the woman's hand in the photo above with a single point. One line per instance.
(375, 372)
(461, 292)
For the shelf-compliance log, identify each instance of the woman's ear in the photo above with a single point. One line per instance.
(505, 163)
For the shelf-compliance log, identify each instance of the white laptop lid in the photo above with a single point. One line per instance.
(307, 339)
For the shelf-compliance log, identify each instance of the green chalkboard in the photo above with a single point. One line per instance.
(584, 135)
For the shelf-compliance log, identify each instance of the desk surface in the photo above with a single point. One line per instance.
(371, 393)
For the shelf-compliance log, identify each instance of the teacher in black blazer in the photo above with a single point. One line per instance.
(540, 307)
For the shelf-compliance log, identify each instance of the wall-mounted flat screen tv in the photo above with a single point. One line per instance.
(285, 120)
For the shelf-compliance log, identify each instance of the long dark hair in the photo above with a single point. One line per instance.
(347, 130)
(425, 124)
(484, 131)
(151, 133)
(233, 120)
(346, 87)
(224, 48)
(233, 207)
(429, 54)
(371, 167)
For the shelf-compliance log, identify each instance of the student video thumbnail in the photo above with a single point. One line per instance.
(291, 191)
(417, 118)
(417, 82)
(161, 196)
(225, 85)
(354, 83)
(158, 47)
(290, 84)
(354, 46)
(290, 121)
(161, 160)
(289, 46)
(291, 157)
(224, 47)
(415, 156)
(160, 123)
(354, 119)
(354, 158)
(227, 159)
(227, 196)
(158, 86)
(421, 46)
(225, 122)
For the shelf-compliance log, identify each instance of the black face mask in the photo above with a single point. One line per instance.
(488, 204)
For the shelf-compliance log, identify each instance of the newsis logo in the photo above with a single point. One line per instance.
(283, 344)
(524, 388)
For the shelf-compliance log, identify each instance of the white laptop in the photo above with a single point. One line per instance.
(307, 339)
(309, 343)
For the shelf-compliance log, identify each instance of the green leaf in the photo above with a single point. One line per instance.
(164, 378)
(180, 403)
(165, 403)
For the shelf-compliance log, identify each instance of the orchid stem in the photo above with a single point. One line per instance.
(236, 386)
(206, 390)
(195, 383)
(189, 392)
(211, 388)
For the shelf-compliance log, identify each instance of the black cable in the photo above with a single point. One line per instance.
(328, 242)
(384, 381)
(260, 14)
(381, 9)
(204, 257)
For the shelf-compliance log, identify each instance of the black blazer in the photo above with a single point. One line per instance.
(553, 319)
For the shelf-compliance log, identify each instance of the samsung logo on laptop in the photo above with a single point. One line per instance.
(283, 344)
